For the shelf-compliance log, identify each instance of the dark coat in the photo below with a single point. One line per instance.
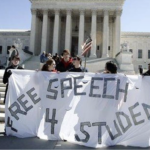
(81, 69)
(63, 66)
(6, 76)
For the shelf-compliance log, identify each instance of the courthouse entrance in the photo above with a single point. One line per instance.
(74, 46)
(98, 18)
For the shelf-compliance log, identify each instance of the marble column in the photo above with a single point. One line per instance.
(33, 31)
(44, 31)
(105, 34)
(81, 32)
(68, 30)
(117, 33)
(93, 33)
(56, 32)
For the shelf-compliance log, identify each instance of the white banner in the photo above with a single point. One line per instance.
(89, 109)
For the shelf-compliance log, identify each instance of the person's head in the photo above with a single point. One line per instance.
(15, 60)
(66, 55)
(77, 61)
(111, 67)
(43, 52)
(46, 55)
(49, 65)
(13, 46)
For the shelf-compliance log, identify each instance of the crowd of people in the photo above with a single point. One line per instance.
(63, 63)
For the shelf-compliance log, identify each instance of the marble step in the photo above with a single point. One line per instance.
(2, 94)
(2, 85)
(2, 108)
(2, 117)
(1, 100)
(2, 89)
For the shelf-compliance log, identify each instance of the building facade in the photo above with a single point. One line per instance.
(139, 45)
(8, 37)
(65, 24)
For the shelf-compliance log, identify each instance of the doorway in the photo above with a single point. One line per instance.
(74, 46)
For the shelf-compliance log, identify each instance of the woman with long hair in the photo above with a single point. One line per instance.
(49, 66)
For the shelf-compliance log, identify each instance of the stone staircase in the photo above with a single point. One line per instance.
(2, 93)
(32, 63)
(96, 64)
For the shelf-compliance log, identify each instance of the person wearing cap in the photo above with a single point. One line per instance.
(14, 65)
(65, 63)
(147, 73)
(77, 62)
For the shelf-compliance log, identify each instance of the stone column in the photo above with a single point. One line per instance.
(105, 34)
(68, 30)
(33, 31)
(93, 33)
(44, 31)
(56, 32)
(81, 32)
(117, 33)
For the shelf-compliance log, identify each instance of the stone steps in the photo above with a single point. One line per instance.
(2, 85)
(2, 89)
(2, 117)
(2, 108)
(2, 100)
(1, 80)
(2, 93)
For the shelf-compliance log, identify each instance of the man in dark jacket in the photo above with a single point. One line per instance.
(65, 63)
(77, 62)
(14, 65)
(147, 73)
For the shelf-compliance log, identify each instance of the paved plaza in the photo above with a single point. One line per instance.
(9, 142)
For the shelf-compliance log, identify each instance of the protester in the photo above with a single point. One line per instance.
(42, 57)
(49, 56)
(77, 62)
(49, 66)
(15, 65)
(12, 52)
(56, 58)
(140, 70)
(147, 73)
(65, 63)
(110, 67)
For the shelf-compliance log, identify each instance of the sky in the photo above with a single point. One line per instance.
(16, 14)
